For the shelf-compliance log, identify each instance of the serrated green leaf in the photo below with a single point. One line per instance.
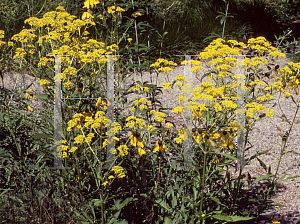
(163, 204)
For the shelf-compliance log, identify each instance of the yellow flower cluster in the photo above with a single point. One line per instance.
(44, 82)
(134, 121)
(160, 117)
(162, 62)
(119, 171)
(61, 149)
(143, 103)
(64, 29)
(123, 149)
(113, 9)
(27, 95)
(180, 136)
(20, 53)
(1, 37)
(137, 14)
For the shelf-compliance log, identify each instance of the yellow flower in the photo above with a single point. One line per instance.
(1, 34)
(137, 14)
(111, 177)
(136, 140)
(160, 146)
(79, 139)
(118, 170)
(141, 151)
(129, 40)
(203, 215)
(138, 87)
(86, 15)
(62, 155)
(28, 108)
(169, 124)
(166, 85)
(119, 9)
(274, 221)
(150, 127)
(111, 9)
(90, 3)
(123, 149)
(44, 82)
(73, 149)
(26, 94)
(106, 182)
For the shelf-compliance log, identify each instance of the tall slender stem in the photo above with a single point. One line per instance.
(225, 20)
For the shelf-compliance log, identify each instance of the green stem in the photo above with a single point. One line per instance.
(162, 39)
(225, 20)
(202, 185)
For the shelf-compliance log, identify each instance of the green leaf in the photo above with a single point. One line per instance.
(259, 153)
(126, 201)
(188, 182)
(222, 20)
(18, 123)
(227, 155)
(236, 218)
(222, 217)
(262, 178)
(216, 200)
(163, 204)
(167, 220)
(262, 164)
(277, 204)
(206, 74)
(291, 177)
(284, 138)
(42, 96)
(231, 218)
(4, 191)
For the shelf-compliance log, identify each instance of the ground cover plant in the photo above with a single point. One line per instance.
(144, 185)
